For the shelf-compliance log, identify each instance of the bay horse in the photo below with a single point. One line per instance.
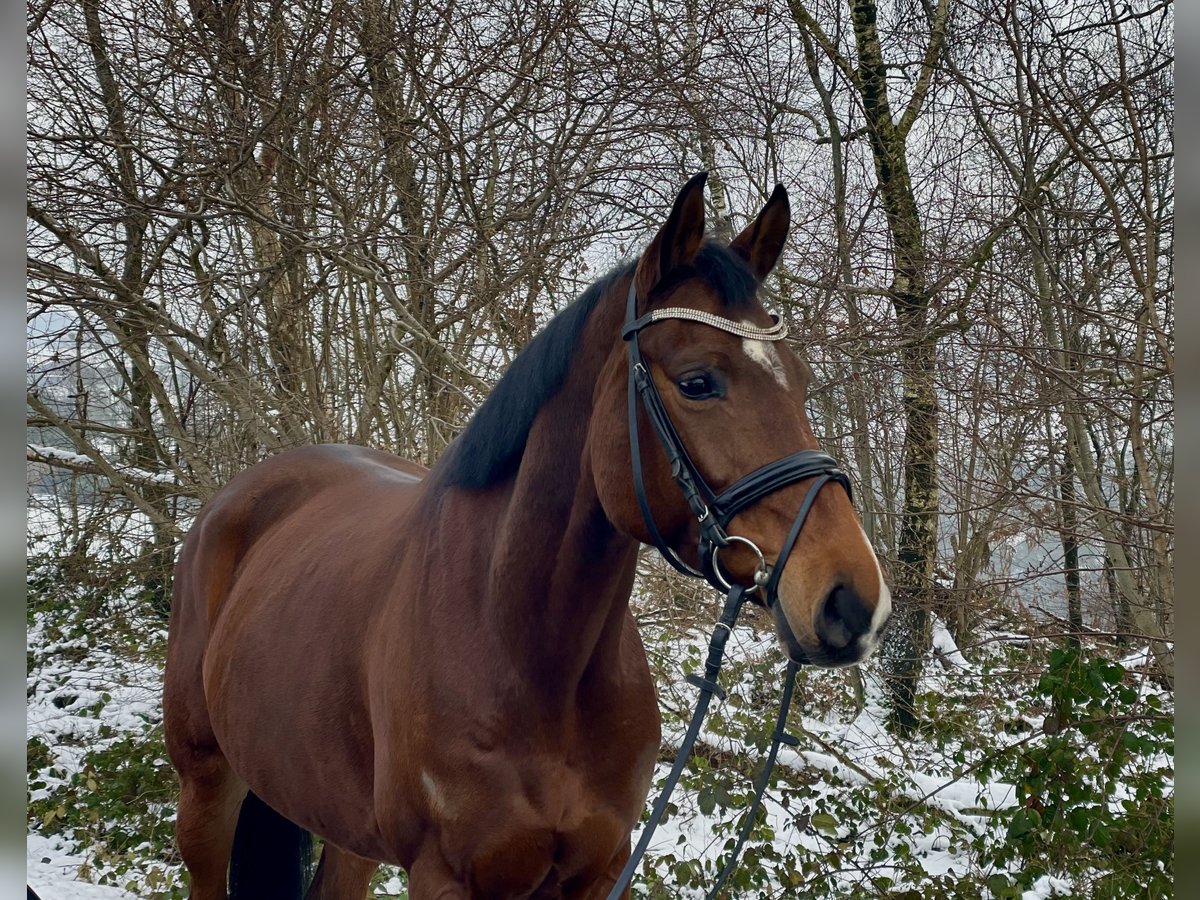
(439, 669)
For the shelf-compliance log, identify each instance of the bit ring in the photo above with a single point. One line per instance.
(761, 572)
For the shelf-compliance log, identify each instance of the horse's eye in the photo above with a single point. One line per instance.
(700, 386)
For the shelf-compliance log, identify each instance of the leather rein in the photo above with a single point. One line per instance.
(714, 511)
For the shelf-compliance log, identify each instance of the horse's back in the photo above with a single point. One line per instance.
(353, 487)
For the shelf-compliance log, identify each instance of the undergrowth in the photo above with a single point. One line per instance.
(98, 778)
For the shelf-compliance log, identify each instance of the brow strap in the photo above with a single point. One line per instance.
(777, 332)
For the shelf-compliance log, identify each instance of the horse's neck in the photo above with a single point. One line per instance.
(559, 589)
(561, 575)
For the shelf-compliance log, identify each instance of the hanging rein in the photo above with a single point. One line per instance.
(714, 511)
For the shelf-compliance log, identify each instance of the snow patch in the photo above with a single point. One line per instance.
(53, 871)
(945, 648)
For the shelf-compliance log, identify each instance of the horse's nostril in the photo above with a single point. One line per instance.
(844, 618)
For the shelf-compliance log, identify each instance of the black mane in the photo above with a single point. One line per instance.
(491, 445)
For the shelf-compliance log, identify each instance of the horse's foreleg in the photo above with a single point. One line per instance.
(600, 890)
(209, 801)
(430, 878)
(341, 875)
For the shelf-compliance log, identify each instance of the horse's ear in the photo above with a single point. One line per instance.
(762, 241)
(678, 241)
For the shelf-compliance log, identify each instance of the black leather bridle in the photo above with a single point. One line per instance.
(714, 511)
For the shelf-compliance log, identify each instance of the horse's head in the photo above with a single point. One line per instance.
(737, 404)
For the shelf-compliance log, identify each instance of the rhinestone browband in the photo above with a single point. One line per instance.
(776, 332)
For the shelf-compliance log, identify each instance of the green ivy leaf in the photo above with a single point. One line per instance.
(825, 823)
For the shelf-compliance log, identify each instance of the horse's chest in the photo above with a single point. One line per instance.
(556, 830)
(544, 823)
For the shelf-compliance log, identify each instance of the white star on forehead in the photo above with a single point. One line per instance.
(765, 354)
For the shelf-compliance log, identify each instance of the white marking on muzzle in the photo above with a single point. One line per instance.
(883, 605)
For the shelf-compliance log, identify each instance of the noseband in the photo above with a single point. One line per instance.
(715, 511)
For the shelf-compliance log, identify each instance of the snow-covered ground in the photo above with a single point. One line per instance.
(54, 869)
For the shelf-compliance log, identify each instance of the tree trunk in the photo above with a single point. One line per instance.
(1070, 540)
(908, 638)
